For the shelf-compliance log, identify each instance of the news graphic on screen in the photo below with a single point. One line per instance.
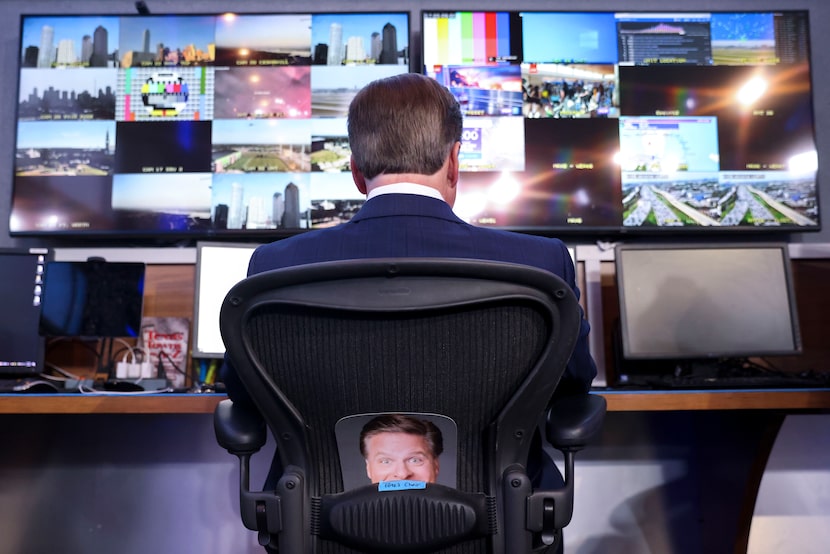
(631, 121)
(192, 125)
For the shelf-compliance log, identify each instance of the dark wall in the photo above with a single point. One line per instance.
(10, 11)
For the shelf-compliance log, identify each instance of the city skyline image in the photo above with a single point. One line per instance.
(346, 39)
(71, 41)
(167, 40)
(74, 93)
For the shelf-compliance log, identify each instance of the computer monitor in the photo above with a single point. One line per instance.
(92, 299)
(219, 266)
(21, 273)
(694, 301)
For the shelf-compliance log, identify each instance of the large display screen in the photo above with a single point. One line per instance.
(234, 125)
(195, 125)
(632, 121)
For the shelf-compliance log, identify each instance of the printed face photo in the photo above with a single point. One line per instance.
(383, 447)
(394, 456)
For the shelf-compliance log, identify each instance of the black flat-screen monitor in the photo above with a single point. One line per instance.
(706, 301)
(635, 122)
(219, 266)
(92, 299)
(192, 125)
(21, 292)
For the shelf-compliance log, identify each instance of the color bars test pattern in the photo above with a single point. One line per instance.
(467, 38)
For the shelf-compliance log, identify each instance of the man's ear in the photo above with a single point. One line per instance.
(453, 166)
(357, 176)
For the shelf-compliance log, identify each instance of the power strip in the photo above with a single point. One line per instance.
(132, 370)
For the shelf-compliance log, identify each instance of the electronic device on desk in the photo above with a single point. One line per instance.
(21, 348)
(696, 315)
(96, 300)
(219, 266)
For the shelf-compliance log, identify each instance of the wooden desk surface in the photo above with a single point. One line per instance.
(618, 401)
(779, 399)
(167, 403)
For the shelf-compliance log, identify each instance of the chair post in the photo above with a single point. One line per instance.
(549, 511)
(516, 488)
(291, 489)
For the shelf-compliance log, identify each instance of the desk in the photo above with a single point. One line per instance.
(153, 446)
(779, 399)
(159, 449)
(722, 438)
(167, 403)
(618, 401)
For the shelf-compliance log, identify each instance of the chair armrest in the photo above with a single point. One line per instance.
(239, 430)
(573, 421)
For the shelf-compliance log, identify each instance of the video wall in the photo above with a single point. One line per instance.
(194, 125)
(578, 122)
(635, 121)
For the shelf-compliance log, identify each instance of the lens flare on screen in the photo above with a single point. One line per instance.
(752, 91)
(504, 190)
(804, 163)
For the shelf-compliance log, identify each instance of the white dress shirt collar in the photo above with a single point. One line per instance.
(405, 188)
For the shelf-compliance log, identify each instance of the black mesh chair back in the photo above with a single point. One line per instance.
(483, 343)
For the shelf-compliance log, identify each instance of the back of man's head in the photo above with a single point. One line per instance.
(406, 123)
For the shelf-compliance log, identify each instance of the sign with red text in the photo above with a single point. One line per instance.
(165, 340)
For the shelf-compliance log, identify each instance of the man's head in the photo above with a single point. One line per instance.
(404, 124)
(399, 447)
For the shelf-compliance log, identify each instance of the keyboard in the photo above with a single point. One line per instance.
(759, 381)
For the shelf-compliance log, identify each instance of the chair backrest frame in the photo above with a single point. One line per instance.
(403, 288)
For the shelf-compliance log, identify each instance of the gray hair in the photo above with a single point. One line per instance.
(406, 123)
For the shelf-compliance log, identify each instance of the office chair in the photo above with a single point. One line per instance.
(483, 343)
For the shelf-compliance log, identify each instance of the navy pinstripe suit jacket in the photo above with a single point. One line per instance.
(402, 225)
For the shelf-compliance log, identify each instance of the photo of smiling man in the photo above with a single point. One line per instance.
(401, 447)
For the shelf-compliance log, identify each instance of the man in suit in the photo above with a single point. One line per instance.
(405, 137)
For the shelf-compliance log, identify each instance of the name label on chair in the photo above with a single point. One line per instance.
(403, 485)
